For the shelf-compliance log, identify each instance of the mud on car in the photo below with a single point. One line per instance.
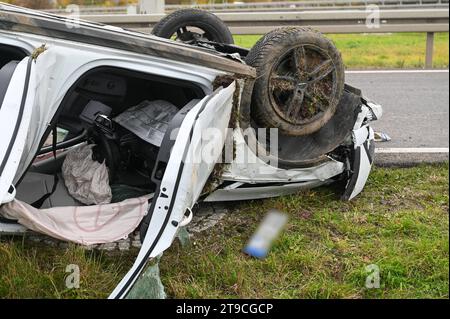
(104, 130)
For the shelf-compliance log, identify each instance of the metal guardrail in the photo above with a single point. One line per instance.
(273, 6)
(314, 5)
(348, 21)
(326, 21)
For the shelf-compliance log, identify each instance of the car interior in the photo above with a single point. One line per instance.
(9, 58)
(87, 115)
(10, 53)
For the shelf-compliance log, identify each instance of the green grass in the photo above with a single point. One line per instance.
(30, 271)
(399, 223)
(376, 51)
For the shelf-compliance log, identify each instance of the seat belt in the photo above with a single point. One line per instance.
(38, 204)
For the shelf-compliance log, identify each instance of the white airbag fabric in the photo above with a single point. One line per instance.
(85, 225)
(149, 120)
(86, 180)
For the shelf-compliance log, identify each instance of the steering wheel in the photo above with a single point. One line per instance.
(107, 151)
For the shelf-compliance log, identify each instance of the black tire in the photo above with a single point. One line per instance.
(301, 79)
(215, 30)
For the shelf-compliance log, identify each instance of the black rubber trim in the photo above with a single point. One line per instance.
(166, 221)
(370, 150)
(352, 89)
(6, 74)
(40, 202)
(19, 117)
(66, 144)
(354, 178)
(228, 48)
(8, 221)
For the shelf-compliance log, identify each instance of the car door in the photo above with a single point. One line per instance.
(17, 97)
(181, 173)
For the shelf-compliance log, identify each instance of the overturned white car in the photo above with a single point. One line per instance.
(105, 131)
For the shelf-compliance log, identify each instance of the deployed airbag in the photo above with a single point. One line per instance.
(86, 180)
(148, 120)
(86, 225)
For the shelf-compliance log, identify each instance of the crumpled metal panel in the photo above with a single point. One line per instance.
(249, 168)
(262, 192)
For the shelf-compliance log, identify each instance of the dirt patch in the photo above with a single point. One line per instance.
(305, 214)
(282, 85)
(207, 217)
(223, 81)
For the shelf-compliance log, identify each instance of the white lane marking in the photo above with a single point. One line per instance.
(429, 150)
(394, 71)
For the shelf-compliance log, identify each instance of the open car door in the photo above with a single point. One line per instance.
(17, 97)
(182, 171)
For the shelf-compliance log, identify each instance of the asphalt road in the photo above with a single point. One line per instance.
(415, 104)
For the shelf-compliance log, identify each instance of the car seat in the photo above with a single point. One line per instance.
(36, 185)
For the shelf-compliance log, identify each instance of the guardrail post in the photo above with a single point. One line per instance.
(429, 50)
(152, 6)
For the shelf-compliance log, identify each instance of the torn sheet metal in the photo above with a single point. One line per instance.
(252, 193)
(263, 173)
(248, 167)
(148, 120)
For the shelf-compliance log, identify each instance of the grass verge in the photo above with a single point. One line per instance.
(381, 51)
(400, 223)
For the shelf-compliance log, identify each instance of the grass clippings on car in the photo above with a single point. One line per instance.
(398, 225)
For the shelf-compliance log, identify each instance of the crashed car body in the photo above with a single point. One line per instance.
(52, 68)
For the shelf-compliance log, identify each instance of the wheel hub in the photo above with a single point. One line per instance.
(302, 84)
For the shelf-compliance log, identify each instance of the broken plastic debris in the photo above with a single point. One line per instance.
(382, 137)
(183, 236)
(269, 230)
(149, 285)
